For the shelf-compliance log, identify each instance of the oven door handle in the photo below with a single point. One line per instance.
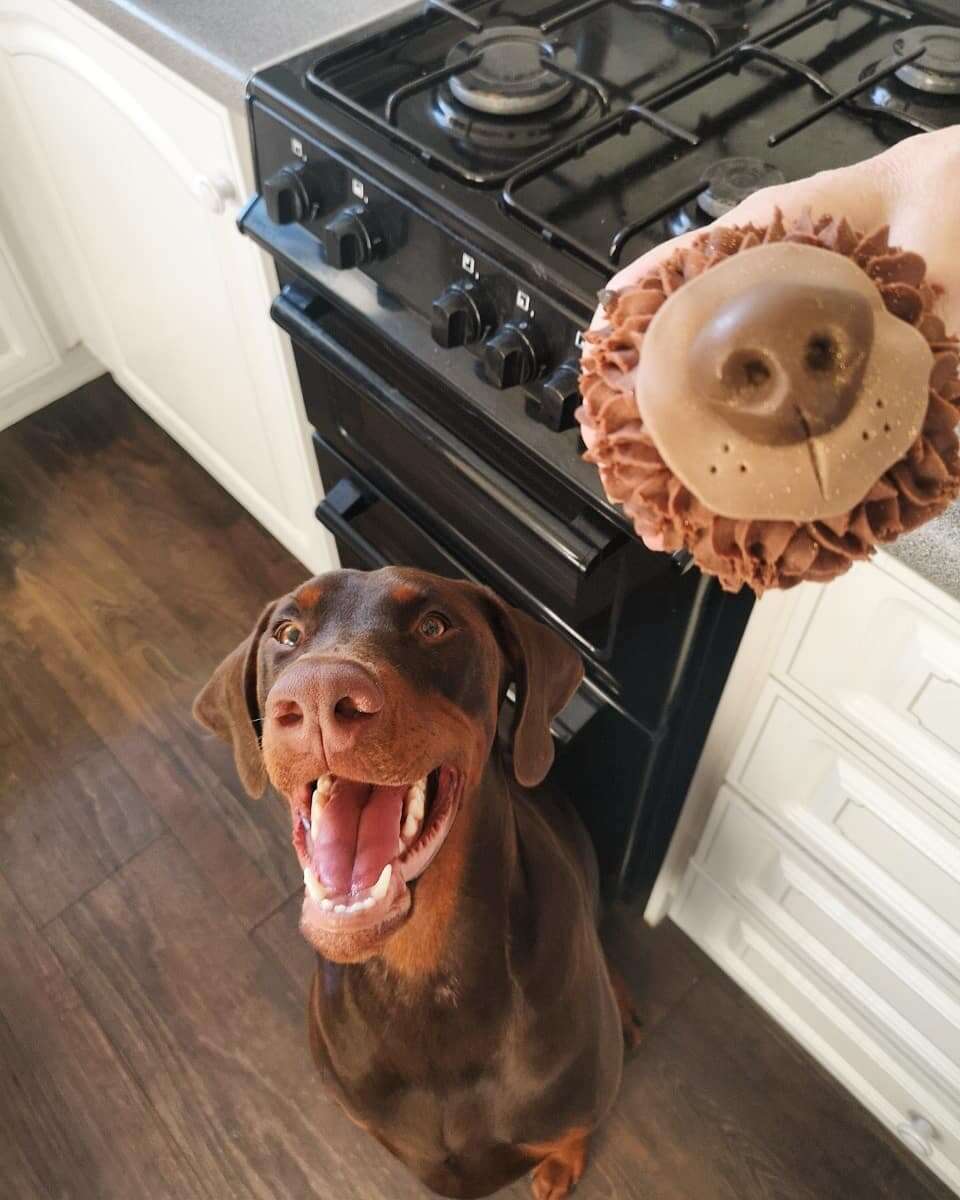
(296, 310)
(340, 505)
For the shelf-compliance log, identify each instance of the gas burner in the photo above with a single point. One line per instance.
(734, 179)
(938, 71)
(728, 181)
(510, 80)
(718, 14)
(504, 138)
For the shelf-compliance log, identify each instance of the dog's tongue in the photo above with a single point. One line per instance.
(357, 834)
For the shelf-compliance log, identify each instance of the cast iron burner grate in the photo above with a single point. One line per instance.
(519, 92)
(718, 14)
(504, 72)
(675, 211)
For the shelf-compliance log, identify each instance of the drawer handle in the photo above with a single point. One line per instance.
(214, 191)
(917, 1133)
(344, 501)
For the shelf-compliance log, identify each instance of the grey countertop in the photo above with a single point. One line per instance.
(933, 551)
(217, 44)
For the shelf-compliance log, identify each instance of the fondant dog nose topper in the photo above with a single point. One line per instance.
(775, 399)
(777, 385)
(783, 362)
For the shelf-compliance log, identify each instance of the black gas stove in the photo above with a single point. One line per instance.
(444, 197)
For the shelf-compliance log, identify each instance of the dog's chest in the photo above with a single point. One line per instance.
(433, 1064)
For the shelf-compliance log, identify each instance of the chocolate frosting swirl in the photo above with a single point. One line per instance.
(765, 553)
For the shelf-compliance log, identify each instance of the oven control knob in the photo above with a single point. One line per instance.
(510, 356)
(352, 238)
(459, 316)
(287, 196)
(555, 401)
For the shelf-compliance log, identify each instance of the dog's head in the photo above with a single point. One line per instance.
(370, 701)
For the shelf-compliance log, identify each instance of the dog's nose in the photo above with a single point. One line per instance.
(346, 691)
(333, 697)
(784, 362)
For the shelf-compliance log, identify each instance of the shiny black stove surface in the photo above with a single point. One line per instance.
(768, 112)
(617, 111)
(625, 52)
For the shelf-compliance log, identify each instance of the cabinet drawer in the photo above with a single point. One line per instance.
(818, 1010)
(902, 991)
(894, 845)
(887, 661)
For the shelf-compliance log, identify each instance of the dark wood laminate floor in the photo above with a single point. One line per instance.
(152, 980)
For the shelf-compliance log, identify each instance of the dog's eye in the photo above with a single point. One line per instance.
(287, 634)
(433, 625)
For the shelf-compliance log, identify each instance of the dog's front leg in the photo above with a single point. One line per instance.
(560, 1164)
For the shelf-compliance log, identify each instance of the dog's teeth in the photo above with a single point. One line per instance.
(411, 827)
(339, 908)
(416, 799)
(321, 794)
(313, 885)
(327, 905)
(305, 822)
(379, 889)
(368, 903)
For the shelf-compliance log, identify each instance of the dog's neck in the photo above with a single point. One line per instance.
(467, 903)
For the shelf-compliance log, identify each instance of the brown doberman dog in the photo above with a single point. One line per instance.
(462, 1007)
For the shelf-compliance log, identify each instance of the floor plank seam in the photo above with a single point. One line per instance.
(238, 920)
(273, 912)
(182, 1151)
(42, 928)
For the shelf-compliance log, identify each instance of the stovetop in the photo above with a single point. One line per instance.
(496, 162)
(616, 112)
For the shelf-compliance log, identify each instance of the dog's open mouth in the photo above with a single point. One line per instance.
(361, 844)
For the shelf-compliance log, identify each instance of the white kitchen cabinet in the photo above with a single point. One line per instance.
(25, 349)
(37, 360)
(818, 855)
(124, 182)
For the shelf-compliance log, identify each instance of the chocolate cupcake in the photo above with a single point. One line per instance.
(777, 413)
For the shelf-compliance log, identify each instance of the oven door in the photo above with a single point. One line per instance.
(403, 487)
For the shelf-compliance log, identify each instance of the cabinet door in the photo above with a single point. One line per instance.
(139, 174)
(25, 349)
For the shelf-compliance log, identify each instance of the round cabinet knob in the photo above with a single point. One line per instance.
(509, 357)
(555, 402)
(214, 191)
(287, 196)
(352, 238)
(918, 1134)
(458, 316)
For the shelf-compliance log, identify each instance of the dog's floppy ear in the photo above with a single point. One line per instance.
(228, 706)
(546, 671)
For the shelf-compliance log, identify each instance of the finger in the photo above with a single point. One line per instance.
(923, 183)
